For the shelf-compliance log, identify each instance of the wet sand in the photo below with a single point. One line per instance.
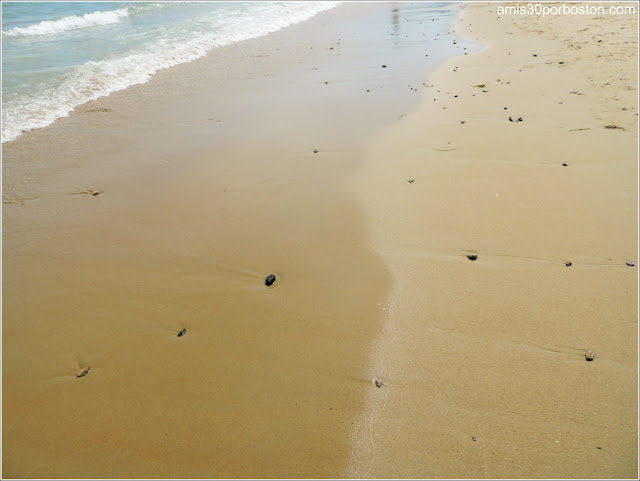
(206, 181)
(209, 182)
(483, 362)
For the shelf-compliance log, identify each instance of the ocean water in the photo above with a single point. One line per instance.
(58, 55)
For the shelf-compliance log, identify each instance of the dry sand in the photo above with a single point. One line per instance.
(483, 362)
(207, 186)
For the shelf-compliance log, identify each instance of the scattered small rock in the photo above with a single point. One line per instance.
(410, 181)
(84, 371)
(473, 438)
(270, 279)
(564, 164)
(568, 264)
(462, 121)
(519, 119)
(316, 151)
(589, 356)
(182, 333)
(613, 127)
(472, 257)
(631, 264)
(485, 91)
(377, 382)
(384, 66)
(560, 63)
(510, 119)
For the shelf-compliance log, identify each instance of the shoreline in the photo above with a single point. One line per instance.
(483, 361)
(201, 195)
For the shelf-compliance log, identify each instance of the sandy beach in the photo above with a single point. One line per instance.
(361, 166)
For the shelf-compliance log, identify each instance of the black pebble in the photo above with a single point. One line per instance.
(270, 279)
(182, 333)
(505, 108)
(519, 119)
(630, 264)
(510, 119)
(384, 66)
(462, 121)
(315, 151)
(472, 257)
(568, 263)
(473, 437)
(560, 63)
(564, 164)
(410, 181)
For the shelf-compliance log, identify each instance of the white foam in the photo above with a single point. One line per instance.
(97, 79)
(73, 22)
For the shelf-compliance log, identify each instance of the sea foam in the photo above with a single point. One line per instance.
(74, 22)
(95, 79)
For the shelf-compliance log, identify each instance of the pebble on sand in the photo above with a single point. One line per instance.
(316, 151)
(568, 263)
(472, 257)
(631, 264)
(182, 333)
(377, 382)
(564, 164)
(589, 356)
(84, 371)
(270, 280)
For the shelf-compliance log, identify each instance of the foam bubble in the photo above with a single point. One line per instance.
(96, 79)
(74, 22)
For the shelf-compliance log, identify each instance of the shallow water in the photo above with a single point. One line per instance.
(58, 55)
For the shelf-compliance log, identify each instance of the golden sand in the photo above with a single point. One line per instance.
(484, 361)
(481, 364)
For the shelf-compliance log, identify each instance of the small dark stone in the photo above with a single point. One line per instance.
(599, 446)
(473, 437)
(589, 356)
(564, 164)
(455, 96)
(410, 181)
(568, 263)
(505, 108)
(182, 333)
(270, 279)
(485, 91)
(95, 193)
(560, 63)
(510, 119)
(535, 55)
(472, 257)
(316, 151)
(462, 121)
(519, 119)
(384, 66)
(599, 42)
(630, 264)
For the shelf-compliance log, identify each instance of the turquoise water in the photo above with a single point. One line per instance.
(58, 55)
